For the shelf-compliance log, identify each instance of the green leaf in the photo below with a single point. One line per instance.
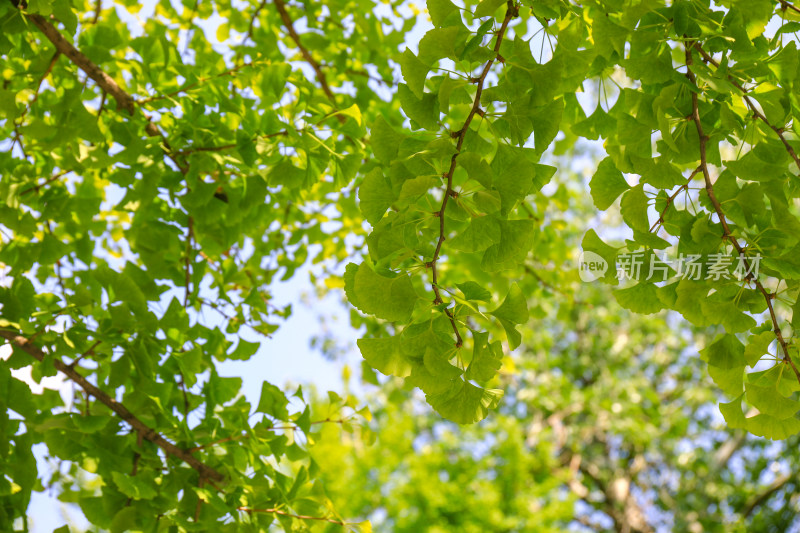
(424, 111)
(593, 243)
(273, 402)
(732, 412)
(440, 10)
(439, 43)
(607, 184)
(640, 298)
(375, 196)
(385, 356)
(486, 360)
(513, 311)
(385, 141)
(464, 403)
(473, 291)
(391, 299)
(414, 72)
(726, 353)
(481, 233)
(488, 7)
(516, 239)
(634, 209)
(772, 428)
(770, 402)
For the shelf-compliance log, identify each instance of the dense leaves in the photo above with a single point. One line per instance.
(161, 172)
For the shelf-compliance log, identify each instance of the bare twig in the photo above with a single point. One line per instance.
(90, 351)
(672, 199)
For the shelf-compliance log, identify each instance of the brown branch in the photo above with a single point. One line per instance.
(124, 100)
(760, 499)
(199, 505)
(511, 12)
(727, 233)
(786, 5)
(250, 27)
(90, 351)
(98, 7)
(756, 113)
(222, 148)
(49, 180)
(280, 5)
(672, 199)
(199, 82)
(298, 516)
(104, 81)
(140, 427)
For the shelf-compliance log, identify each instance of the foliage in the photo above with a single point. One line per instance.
(151, 179)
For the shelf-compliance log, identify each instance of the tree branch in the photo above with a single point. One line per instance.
(124, 100)
(299, 516)
(511, 12)
(762, 498)
(280, 5)
(199, 82)
(140, 427)
(727, 233)
(756, 113)
(672, 199)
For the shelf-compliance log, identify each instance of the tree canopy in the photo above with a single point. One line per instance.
(573, 225)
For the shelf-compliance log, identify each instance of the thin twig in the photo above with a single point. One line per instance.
(672, 199)
(90, 351)
(511, 12)
(786, 5)
(280, 5)
(756, 113)
(727, 233)
(194, 85)
(298, 516)
(49, 180)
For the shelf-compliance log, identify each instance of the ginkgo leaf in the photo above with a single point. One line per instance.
(516, 239)
(607, 184)
(464, 403)
(473, 291)
(513, 311)
(375, 196)
(414, 72)
(641, 298)
(384, 354)
(486, 358)
(634, 209)
(391, 299)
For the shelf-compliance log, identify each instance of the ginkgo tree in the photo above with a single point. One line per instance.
(151, 179)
